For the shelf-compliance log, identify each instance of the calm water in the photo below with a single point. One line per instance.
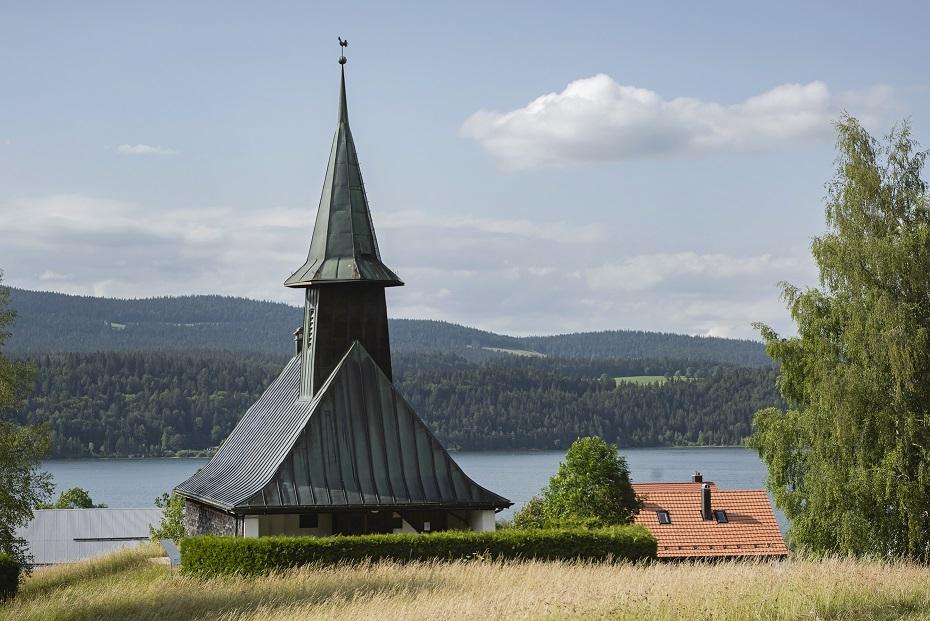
(515, 475)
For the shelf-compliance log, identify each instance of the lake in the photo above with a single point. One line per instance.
(517, 475)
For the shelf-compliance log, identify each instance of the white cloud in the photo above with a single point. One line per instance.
(121, 248)
(650, 270)
(511, 276)
(49, 275)
(144, 149)
(598, 119)
(562, 232)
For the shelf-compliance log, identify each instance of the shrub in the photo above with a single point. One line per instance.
(172, 518)
(211, 556)
(74, 498)
(591, 487)
(9, 576)
(532, 515)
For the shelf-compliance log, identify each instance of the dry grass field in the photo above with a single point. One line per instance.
(129, 586)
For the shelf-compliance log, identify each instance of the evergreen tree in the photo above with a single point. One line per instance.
(849, 461)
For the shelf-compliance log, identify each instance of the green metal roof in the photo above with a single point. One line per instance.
(343, 247)
(357, 444)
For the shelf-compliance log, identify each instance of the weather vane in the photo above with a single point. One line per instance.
(343, 45)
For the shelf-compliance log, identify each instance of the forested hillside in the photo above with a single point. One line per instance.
(54, 322)
(634, 344)
(165, 376)
(163, 403)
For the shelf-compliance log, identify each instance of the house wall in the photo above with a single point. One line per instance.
(285, 524)
(289, 524)
(482, 521)
(200, 519)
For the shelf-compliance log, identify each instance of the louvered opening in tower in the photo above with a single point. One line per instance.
(309, 341)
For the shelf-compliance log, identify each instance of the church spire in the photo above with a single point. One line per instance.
(343, 106)
(344, 247)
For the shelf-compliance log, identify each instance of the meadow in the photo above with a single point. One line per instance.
(128, 585)
(642, 380)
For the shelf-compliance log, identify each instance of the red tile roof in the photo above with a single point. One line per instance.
(750, 530)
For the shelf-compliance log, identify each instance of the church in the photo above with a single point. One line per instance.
(331, 447)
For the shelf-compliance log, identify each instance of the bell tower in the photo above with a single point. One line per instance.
(343, 276)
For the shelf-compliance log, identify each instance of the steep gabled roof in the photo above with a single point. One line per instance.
(343, 247)
(357, 444)
(257, 444)
(750, 529)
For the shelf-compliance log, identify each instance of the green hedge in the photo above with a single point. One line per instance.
(9, 576)
(211, 556)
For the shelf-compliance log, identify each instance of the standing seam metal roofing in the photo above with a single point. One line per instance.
(344, 247)
(357, 444)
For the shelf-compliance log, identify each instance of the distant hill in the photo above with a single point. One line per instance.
(55, 322)
(635, 344)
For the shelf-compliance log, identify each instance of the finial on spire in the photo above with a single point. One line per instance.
(343, 45)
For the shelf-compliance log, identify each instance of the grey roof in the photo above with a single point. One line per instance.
(357, 444)
(67, 535)
(343, 247)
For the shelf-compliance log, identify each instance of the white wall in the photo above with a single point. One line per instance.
(482, 521)
(250, 526)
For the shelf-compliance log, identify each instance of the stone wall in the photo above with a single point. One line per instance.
(200, 519)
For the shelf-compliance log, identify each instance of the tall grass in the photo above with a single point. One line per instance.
(129, 587)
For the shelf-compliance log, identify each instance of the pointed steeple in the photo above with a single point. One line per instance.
(343, 106)
(343, 247)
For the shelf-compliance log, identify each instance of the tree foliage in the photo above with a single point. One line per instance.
(171, 525)
(74, 498)
(10, 572)
(15, 375)
(849, 461)
(22, 485)
(591, 488)
(530, 515)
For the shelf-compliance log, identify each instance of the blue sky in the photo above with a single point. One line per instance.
(532, 168)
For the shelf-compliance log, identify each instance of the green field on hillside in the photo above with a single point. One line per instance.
(515, 352)
(649, 380)
(129, 585)
(642, 380)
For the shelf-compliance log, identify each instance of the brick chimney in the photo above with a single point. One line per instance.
(706, 512)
